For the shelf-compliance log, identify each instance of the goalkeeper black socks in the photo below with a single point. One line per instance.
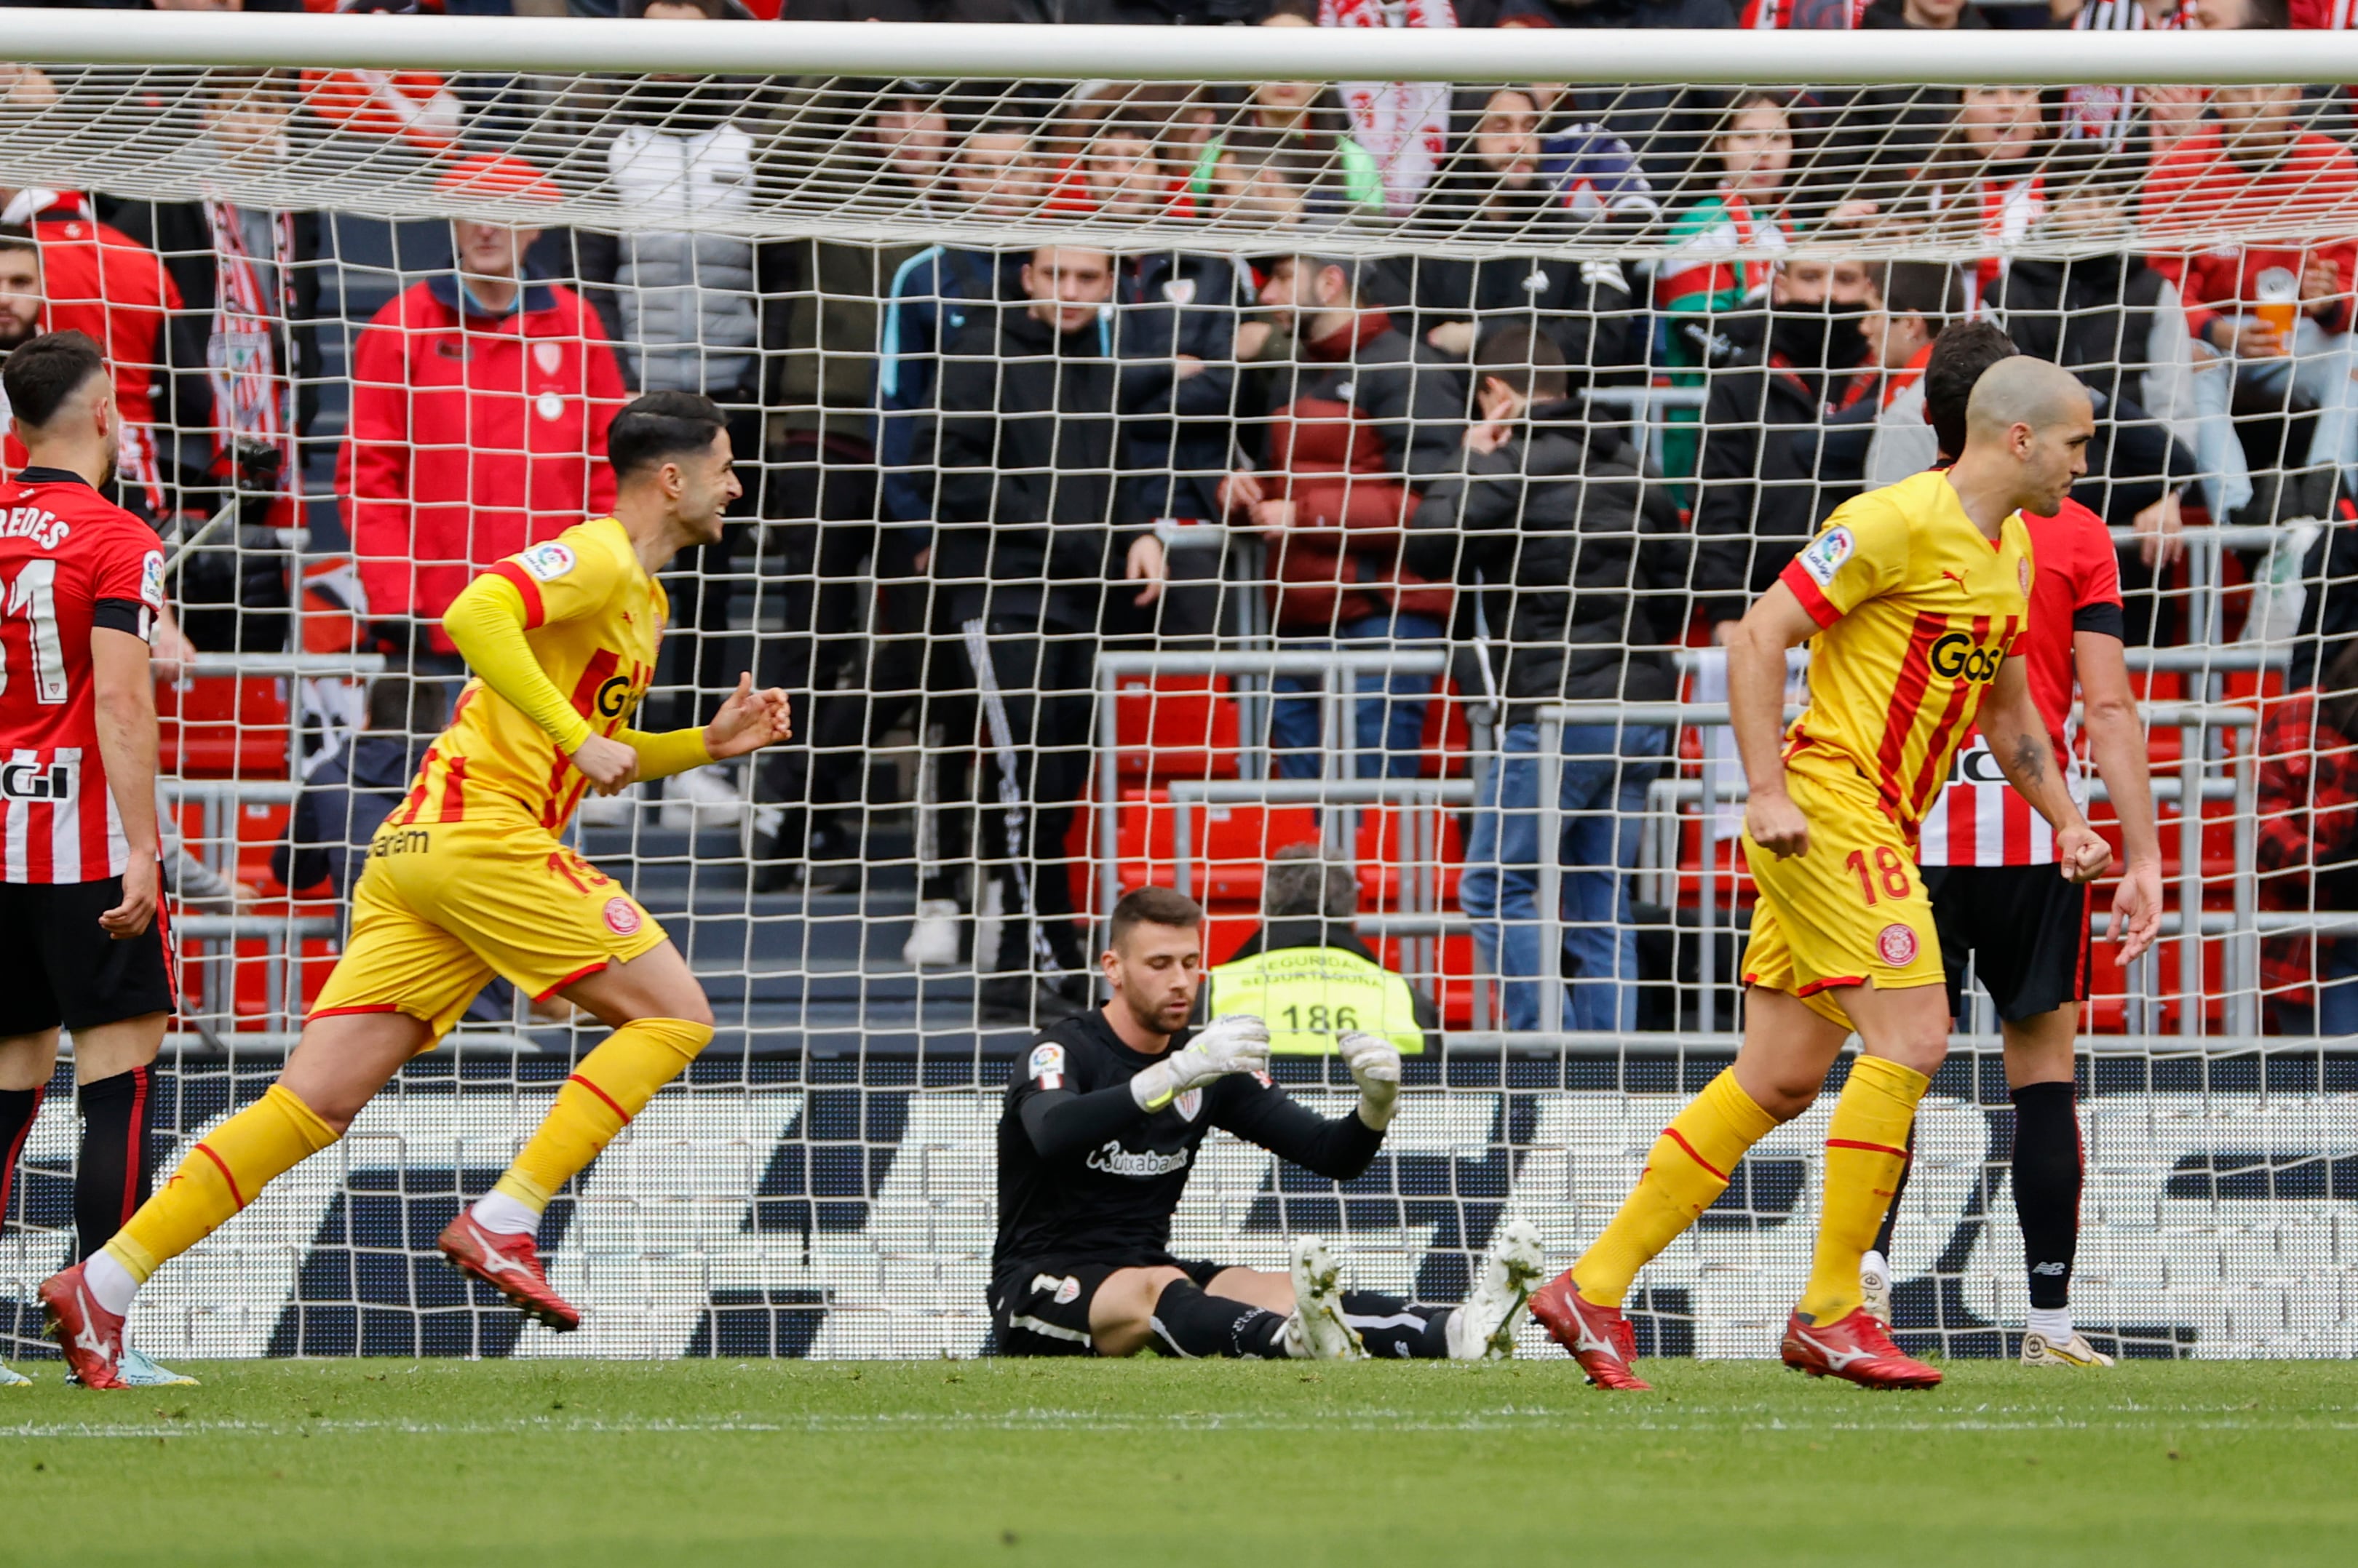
(1192, 1323)
(114, 1172)
(18, 1108)
(1393, 1330)
(2047, 1177)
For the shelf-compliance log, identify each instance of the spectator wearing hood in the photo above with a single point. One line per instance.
(1582, 566)
(1665, 125)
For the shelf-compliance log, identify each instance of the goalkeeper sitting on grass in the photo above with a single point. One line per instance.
(1099, 1134)
(469, 877)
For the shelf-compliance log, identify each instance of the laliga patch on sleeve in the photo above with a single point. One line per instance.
(1823, 556)
(1048, 1065)
(547, 562)
(151, 577)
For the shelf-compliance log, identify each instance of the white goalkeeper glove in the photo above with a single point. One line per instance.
(1235, 1043)
(1375, 1064)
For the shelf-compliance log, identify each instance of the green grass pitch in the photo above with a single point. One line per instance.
(693, 1463)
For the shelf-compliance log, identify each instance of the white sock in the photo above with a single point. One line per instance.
(503, 1216)
(1874, 1263)
(110, 1284)
(2055, 1324)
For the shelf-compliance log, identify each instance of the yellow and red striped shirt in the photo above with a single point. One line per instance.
(1917, 609)
(593, 619)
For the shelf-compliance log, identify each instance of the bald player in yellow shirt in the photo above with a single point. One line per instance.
(468, 877)
(1912, 595)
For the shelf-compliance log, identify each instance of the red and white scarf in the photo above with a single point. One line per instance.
(254, 405)
(1404, 125)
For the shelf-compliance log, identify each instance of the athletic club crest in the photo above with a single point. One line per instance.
(1897, 943)
(549, 357)
(1189, 1105)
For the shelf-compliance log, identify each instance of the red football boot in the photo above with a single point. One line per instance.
(90, 1335)
(1598, 1338)
(1857, 1349)
(510, 1265)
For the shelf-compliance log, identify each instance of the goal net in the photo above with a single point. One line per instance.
(1200, 481)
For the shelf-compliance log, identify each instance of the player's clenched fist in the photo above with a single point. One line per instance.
(1777, 824)
(608, 764)
(1235, 1043)
(1375, 1064)
(2083, 853)
(749, 720)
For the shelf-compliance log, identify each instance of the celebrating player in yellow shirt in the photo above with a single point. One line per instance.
(467, 878)
(1913, 594)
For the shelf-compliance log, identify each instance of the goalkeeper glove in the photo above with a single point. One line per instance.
(1237, 1044)
(1375, 1064)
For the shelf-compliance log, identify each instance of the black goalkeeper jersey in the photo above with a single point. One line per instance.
(1085, 1176)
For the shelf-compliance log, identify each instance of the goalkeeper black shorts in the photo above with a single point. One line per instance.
(2024, 929)
(1042, 1309)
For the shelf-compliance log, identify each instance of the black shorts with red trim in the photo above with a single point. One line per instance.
(64, 970)
(1042, 1308)
(2023, 929)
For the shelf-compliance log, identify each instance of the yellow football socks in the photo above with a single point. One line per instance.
(225, 1171)
(1687, 1169)
(613, 1084)
(1867, 1148)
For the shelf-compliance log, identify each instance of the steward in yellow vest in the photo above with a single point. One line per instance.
(1311, 979)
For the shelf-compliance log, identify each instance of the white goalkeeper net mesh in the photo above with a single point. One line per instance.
(979, 339)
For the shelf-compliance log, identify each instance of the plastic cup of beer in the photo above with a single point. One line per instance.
(2277, 302)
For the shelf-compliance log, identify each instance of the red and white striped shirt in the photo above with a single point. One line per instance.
(1980, 820)
(70, 560)
(2105, 112)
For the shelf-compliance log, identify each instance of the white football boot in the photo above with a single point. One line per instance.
(12, 1378)
(1317, 1331)
(2039, 1350)
(1483, 1329)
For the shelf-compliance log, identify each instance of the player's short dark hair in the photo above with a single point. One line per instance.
(652, 429)
(399, 706)
(1930, 290)
(1960, 354)
(1302, 882)
(1153, 906)
(1525, 359)
(43, 372)
(2267, 16)
(16, 237)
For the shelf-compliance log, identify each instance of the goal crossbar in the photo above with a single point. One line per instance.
(966, 51)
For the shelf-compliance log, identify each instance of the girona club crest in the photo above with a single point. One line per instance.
(1897, 944)
(623, 918)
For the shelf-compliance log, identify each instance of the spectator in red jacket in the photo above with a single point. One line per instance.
(1356, 415)
(2256, 169)
(480, 398)
(98, 280)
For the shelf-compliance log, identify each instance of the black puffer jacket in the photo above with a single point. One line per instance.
(1582, 561)
(1028, 467)
(1758, 497)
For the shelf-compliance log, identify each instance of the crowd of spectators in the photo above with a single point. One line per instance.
(1622, 353)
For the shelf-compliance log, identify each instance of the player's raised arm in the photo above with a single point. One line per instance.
(1757, 646)
(2018, 737)
(2117, 739)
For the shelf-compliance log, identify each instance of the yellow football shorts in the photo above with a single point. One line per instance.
(1850, 912)
(443, 907)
